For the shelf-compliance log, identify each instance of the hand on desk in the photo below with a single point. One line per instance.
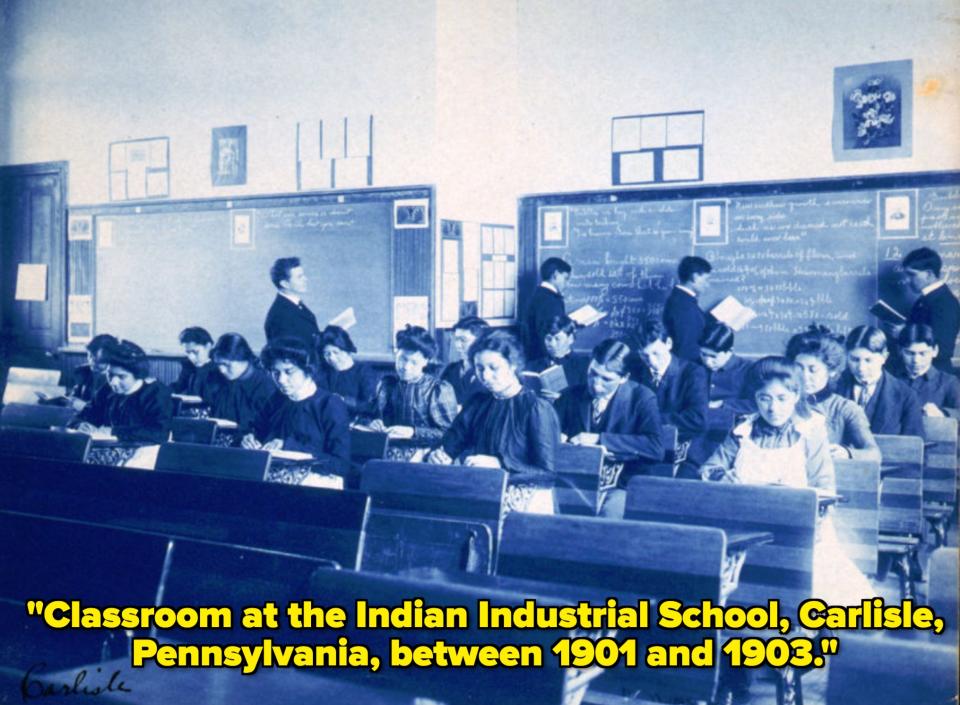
(931, 409)
(439, 457)
(251, 443)
(586, 439)
(838, 451)
(481, 461)
(716, 404)
(86, 427)
(400, 432)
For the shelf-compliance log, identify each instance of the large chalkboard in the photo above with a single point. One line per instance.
(796, 252)
(164, 268)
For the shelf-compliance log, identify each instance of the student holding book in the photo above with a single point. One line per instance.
(821, 358)
(936, 307)
(545, 304)
(890, 405)
(309, 419)
(414, 408)
(680, 385)
(88, 378)
(726, 371)
(289, 316)
(248, 395)
(131, 407)
(199, 376)
(613, 412)
(341, 374)
(784, 444)
(558, 342)
(938, 391)
(509, 427)
(459, 374)
(682, 315)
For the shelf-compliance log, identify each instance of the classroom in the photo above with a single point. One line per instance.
(475, 306)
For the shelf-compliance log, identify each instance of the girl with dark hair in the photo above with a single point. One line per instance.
(413, 407)
(131, 407)
(726, 371)
(459, 374)
(784, 444)
(617, 414)
(341, 374)
(199, 377)
(509, 427)
(890, 405)
(90, 377)
(248, 395)
(820, 356)
(938, 391)
(558, 341)
(309, 420)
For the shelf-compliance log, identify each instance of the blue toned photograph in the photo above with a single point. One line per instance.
(872, 110)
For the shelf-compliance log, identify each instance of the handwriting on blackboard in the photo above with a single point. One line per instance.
(330, 218)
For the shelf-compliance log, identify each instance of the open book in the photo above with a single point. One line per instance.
(733, 313)
(552, 379)
(887, 313)
(587, 315)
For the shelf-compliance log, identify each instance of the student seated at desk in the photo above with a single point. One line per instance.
(460, 374)
(680, 386)
(784, 444)
(309, 420)
(414, 407)
(558, 342)
(88, 378)
(613, 412)
(199, 376)
(341, 374)
(890, 405)
(509, 427)
(248, 394)
(938, 391)
(820, 356)
(130, 407)
(726, 372)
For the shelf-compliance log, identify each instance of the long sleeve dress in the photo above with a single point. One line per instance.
(143, 415)
(319, 425)
(249, 401)
(428, 405)
(356, 386)
(796, 455)
(522, 431)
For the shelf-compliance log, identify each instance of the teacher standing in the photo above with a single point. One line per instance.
(289, 317)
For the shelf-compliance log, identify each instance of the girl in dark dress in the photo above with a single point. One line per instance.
(509, 427)
(309, 420)
(131, 408)
(413, 407)
(938, 391)
(616, 414)
(248, 395)
(199, 376)
(460, 374)
(90, 377)
(558, 342)
(341, 374)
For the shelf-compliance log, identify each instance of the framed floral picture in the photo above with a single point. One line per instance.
(873, 111)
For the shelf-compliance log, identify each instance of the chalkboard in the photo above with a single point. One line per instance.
(166, 268)
(796, 252)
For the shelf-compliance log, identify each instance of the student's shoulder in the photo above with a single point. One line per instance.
(687, 369)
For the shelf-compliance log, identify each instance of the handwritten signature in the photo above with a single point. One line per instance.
(32, 687)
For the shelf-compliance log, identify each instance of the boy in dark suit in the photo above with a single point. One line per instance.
(681, 313)
(545, 304)
(680, 386)
(289, 317)
(937, 307)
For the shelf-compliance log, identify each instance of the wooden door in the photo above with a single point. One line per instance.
(32, 231)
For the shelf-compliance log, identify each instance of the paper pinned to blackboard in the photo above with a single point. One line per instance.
(733, 313)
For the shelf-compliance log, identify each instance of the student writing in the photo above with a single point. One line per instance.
(460, 374)
(199, 376)
(341, 374)
(937, 391)
(248, 394)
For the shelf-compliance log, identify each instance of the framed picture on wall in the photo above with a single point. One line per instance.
(228, 156)
(873, 111)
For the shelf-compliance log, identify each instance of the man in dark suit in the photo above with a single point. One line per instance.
(289, 317)
(545, 304)
(681, 386)
(681, 313)
(937, 307)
